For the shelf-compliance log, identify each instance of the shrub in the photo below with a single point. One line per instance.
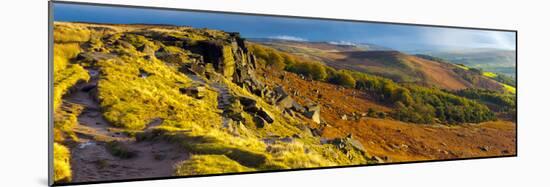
(343, 78)
(276, 60)
(313, 70)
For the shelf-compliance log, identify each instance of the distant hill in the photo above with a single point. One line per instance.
(332, 46)
(387, 63)
(493, 60)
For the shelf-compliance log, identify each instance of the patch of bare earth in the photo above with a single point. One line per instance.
(91, 161)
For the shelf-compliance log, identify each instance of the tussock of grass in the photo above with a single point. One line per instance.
(208, 164)
(62, 166)
(64, 34)
(65, 119)
(138, 40)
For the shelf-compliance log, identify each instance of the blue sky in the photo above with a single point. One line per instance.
(400, 37)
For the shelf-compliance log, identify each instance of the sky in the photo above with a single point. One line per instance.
(395, 36)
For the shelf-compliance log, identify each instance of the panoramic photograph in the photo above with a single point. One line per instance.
(141, 93)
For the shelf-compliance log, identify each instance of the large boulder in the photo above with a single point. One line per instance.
(259, 121)
(248, 103)
(314, 113)
(286, 102)
(265, 115)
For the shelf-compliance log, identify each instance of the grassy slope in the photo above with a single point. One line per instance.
(131, 101)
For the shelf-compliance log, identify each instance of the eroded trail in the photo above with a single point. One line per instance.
(91, 161)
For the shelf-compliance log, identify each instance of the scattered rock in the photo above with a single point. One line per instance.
(316, 131)
(289, 112)
(287, 140)
(377, 159)
(344, 117)
(298, 108)
(146, 49)
(314, 113)
(247, 102)
(259, 121)
(143, 73)
(348, 143)
(484, 148)
(265, 115)
(195, 91)
(124, 44)
(286, 102)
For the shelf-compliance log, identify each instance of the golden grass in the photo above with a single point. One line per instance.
(66, 74)
(489, 74)
(208, 164)
(63, 34)
(62, 166)
(508, 88)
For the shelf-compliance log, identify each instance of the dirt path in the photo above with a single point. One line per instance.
(92, 162)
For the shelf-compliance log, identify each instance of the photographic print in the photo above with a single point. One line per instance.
(152, 93)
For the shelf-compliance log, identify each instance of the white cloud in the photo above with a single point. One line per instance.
(469, 38)
(286, 37)
(342, 43)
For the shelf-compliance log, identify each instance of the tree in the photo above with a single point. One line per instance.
(318, 71)
(343, 78)
(276, 60)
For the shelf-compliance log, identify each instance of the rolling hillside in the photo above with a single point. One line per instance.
(492, 60)
(395, 65)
